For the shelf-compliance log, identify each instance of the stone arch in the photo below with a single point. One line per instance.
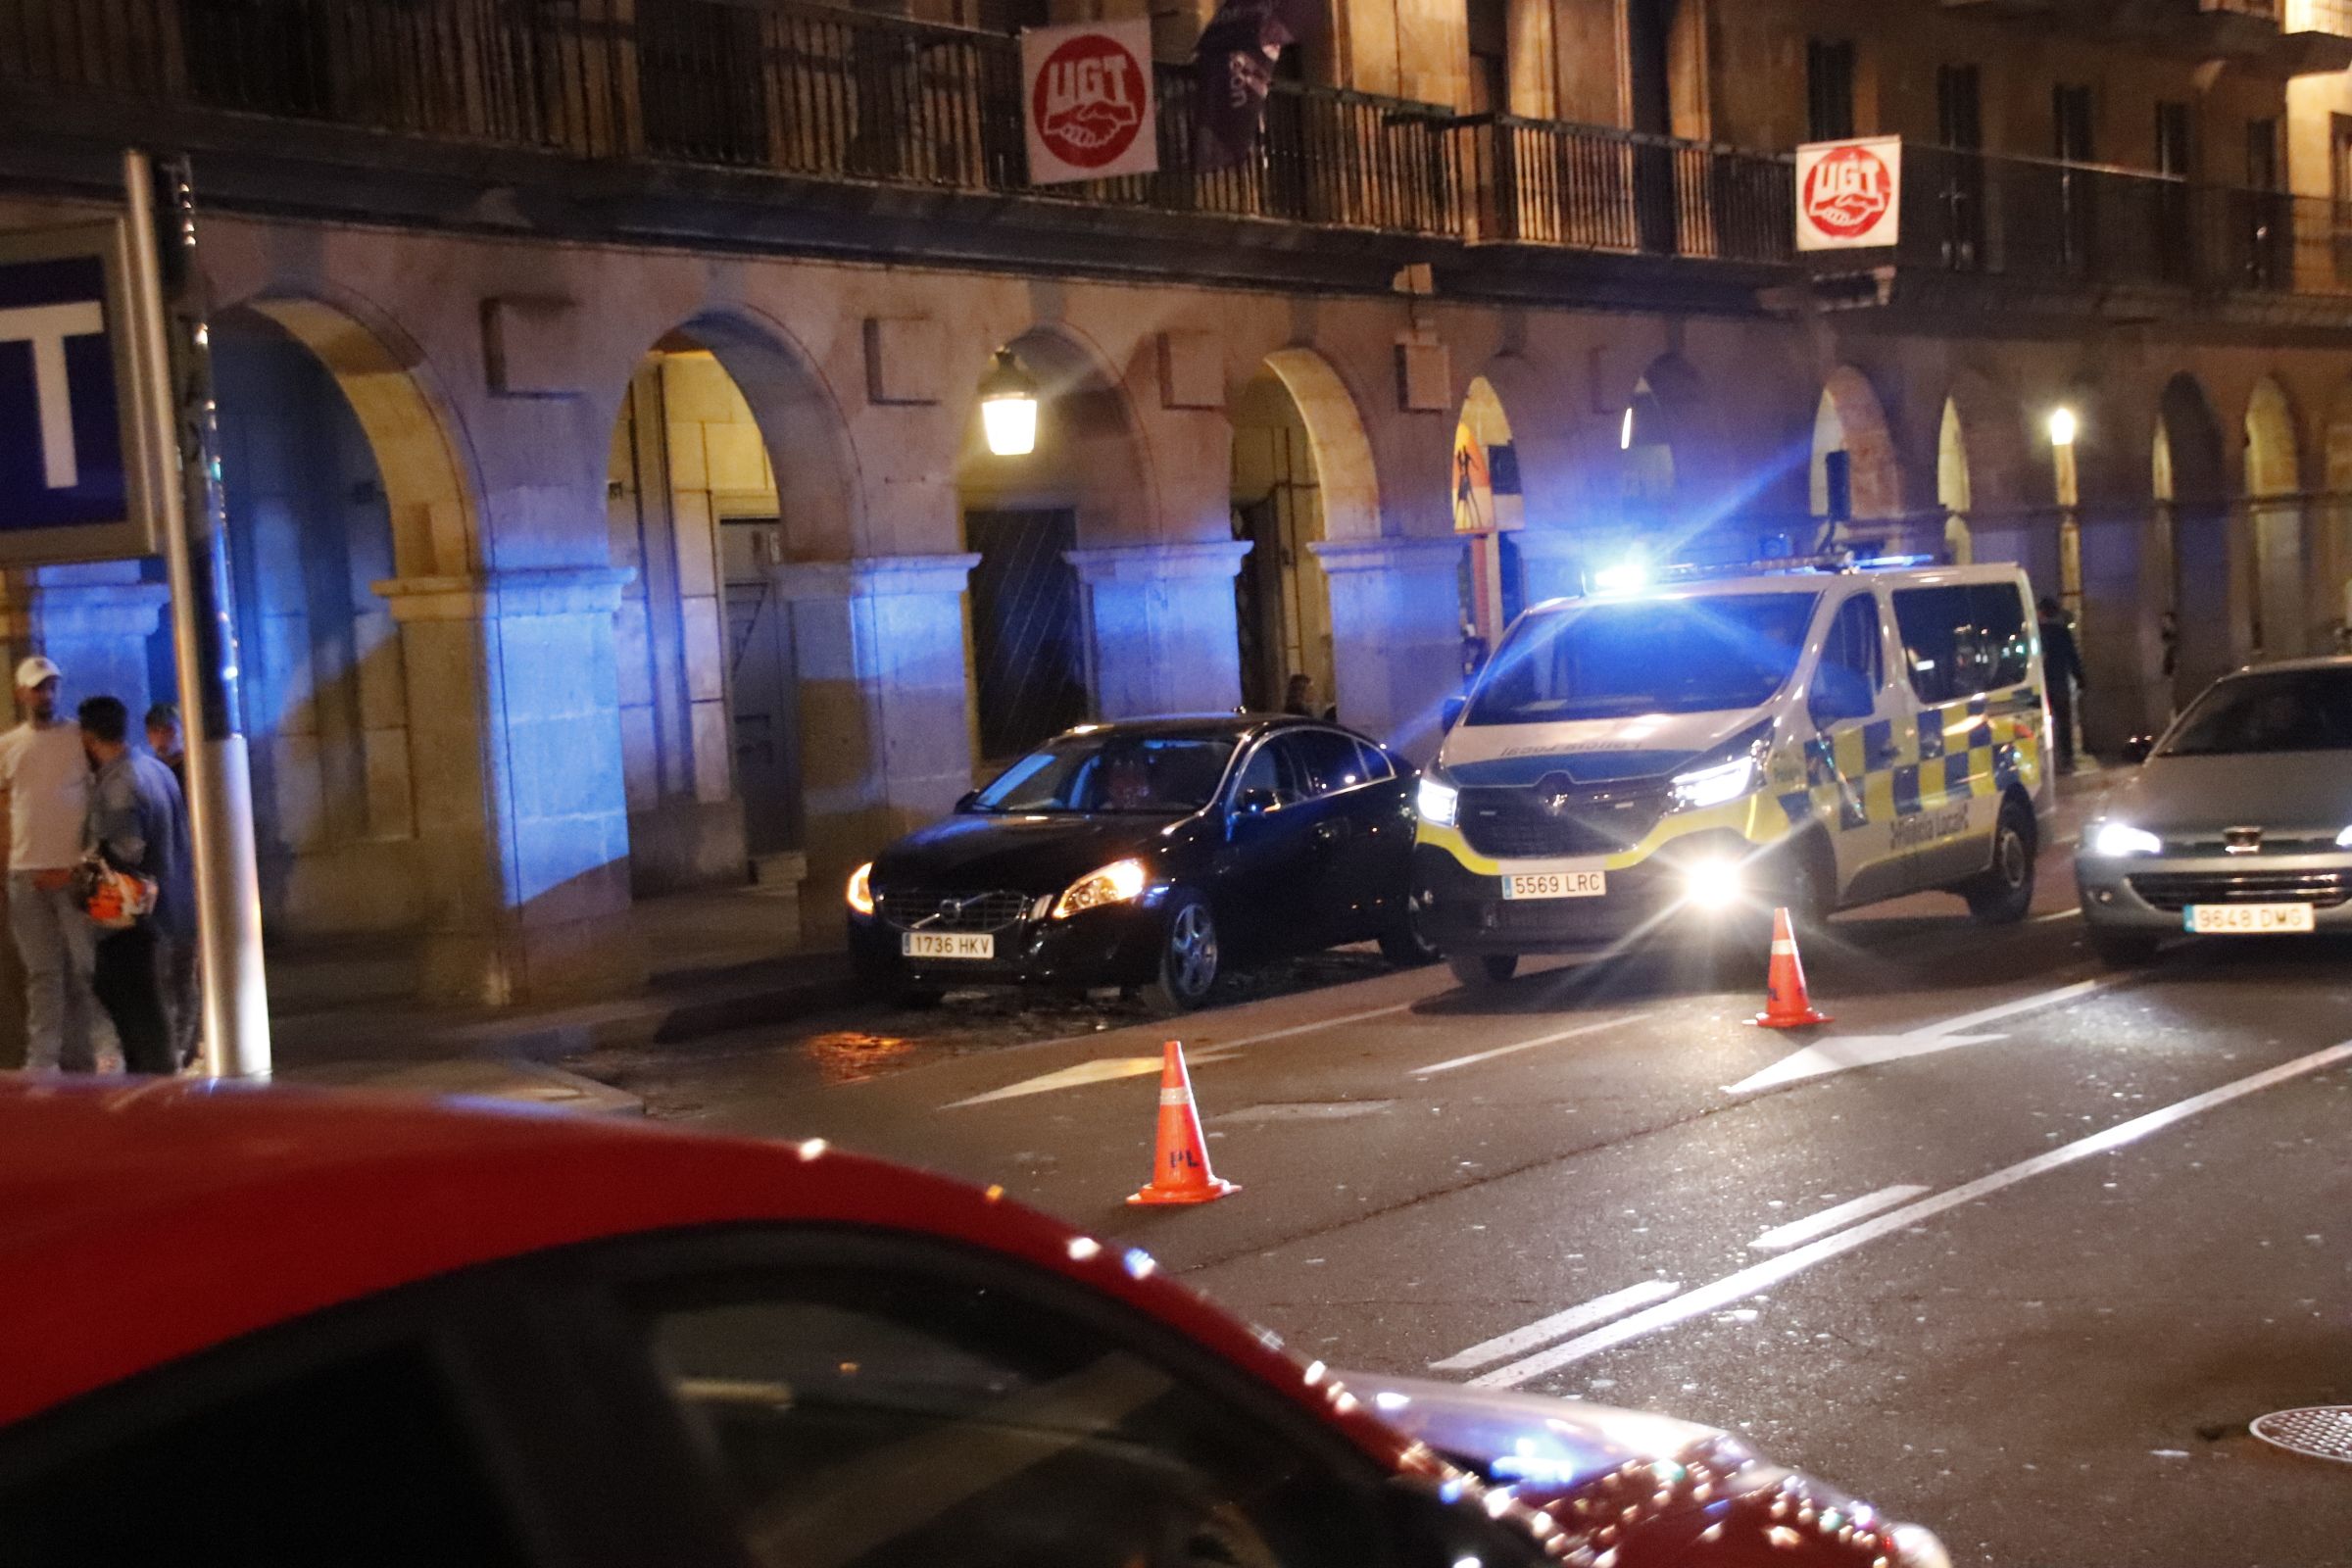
(1303, 475)
(1090, 456)
(1490, 508)
(1850, 420)
(2275, 508)
(2191, 483)
(2332, 544)
(1980, 470)
(346, 480)
(430, 486)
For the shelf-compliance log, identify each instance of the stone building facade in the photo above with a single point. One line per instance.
(598, 383)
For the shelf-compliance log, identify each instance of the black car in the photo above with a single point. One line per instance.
(1150, 854)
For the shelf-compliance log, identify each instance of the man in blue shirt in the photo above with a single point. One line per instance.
(138, 824)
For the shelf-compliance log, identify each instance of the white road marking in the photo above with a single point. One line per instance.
(1763, 1276)
(2056, 915)
(1102, 1070)
(1545, 1330)
(1524, 1045)
(1782, 1236)
(1841, 1054)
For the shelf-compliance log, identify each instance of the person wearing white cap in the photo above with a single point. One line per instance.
(46, 778)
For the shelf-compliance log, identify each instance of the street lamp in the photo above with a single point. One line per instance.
(2062, 426)
(1008, 408)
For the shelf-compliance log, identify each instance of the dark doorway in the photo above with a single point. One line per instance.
(2072, 143)
(1960, 125)
(763, 693)
(1648, 58)
(1025, 629)
(700, 81)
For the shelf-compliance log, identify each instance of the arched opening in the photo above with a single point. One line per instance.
(1855, 477)
(337, 476)
(2273, 490)
(2332, 546)
(1084, 482)
(1488, 508)
(724, 464)
(2191, 487)
(1302, 474)
(1954, 491)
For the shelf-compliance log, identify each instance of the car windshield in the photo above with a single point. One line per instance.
(2289, 710)
(1131, 774)
(1612, 659)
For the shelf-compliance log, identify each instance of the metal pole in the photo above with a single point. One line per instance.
(175, 361)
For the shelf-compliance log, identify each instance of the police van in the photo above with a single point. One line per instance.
(1675, 758)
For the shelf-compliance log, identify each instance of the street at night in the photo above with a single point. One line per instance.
(2021, 1254)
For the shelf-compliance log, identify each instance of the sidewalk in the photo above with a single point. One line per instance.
(346, 1016)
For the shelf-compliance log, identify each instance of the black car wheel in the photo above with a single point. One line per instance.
(1402, 943)
(1477, 970)
(2003, 895)
(1189, 958)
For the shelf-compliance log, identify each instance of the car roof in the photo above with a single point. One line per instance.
(1804, 582)
(2288, 667)
(143, 1222)
(1223, 726)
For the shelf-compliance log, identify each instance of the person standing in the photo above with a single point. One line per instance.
(1299, 697)
(167, 741)
(47, 781)
(2061, 666)
(138, 824)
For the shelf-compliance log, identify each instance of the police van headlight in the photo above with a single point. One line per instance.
(1719, 785)
(1437, 802)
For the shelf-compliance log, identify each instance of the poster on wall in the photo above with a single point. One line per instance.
(1088, 95)
(1850, 193)
(1486, 485)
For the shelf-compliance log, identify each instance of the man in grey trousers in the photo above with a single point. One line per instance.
(46, 778)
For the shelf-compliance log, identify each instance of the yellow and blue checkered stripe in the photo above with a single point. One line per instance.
(1885, 770)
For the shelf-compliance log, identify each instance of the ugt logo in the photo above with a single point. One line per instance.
(1847, 192)
(1088, 104)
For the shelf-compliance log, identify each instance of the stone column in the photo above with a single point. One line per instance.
(1161, 633)
(1397, 634)
(2121, 657)
(521, 816)
(93, 621)
(886, 728)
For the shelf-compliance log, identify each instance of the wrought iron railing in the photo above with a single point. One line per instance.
(2062, 224)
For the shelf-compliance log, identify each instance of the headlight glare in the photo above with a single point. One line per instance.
(2344, 840)
(1712, 785)
(2110, 839)
(1119, 882)
(1714, 883)
(1437, 803)
(861, 889)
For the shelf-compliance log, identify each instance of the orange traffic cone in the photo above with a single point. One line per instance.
(1787, 1005)
(1180, 1172)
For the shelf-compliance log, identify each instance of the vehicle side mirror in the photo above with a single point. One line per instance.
(1253, 802)
(966, 800)
(1449, 711)
(2137, 748)
(1838, 694)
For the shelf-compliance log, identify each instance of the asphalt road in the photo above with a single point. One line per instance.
(2013, 1248)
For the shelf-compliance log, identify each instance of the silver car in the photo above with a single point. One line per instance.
(2240, 823)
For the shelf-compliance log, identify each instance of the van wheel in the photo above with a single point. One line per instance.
(1804, 881)
(1403, 944)
(2003, 894)
(1475, 971)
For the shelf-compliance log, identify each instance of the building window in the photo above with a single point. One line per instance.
(1830, 89)
(2262, 155)
(2070, 115)
(1489, 28)
(2172, 146)
(1959, 108)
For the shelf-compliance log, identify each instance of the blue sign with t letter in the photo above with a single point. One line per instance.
(71, 479)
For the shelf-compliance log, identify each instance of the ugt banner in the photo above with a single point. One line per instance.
(1086, 92)
(1850, 193)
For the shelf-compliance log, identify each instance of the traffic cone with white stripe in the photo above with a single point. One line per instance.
(1787, 1004)
(1180, 1172)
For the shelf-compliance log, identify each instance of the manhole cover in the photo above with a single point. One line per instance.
(2320, 1432)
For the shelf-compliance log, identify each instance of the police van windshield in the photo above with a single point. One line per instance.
(1617, 658)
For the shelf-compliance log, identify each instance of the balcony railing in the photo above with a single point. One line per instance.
(828, 95)
(2073, 225)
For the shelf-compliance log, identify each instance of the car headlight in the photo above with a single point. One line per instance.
(2344, 840)
(1711, 786)
(861, 889)
(1437, 803)
(1116, 883)
(2121, 838)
